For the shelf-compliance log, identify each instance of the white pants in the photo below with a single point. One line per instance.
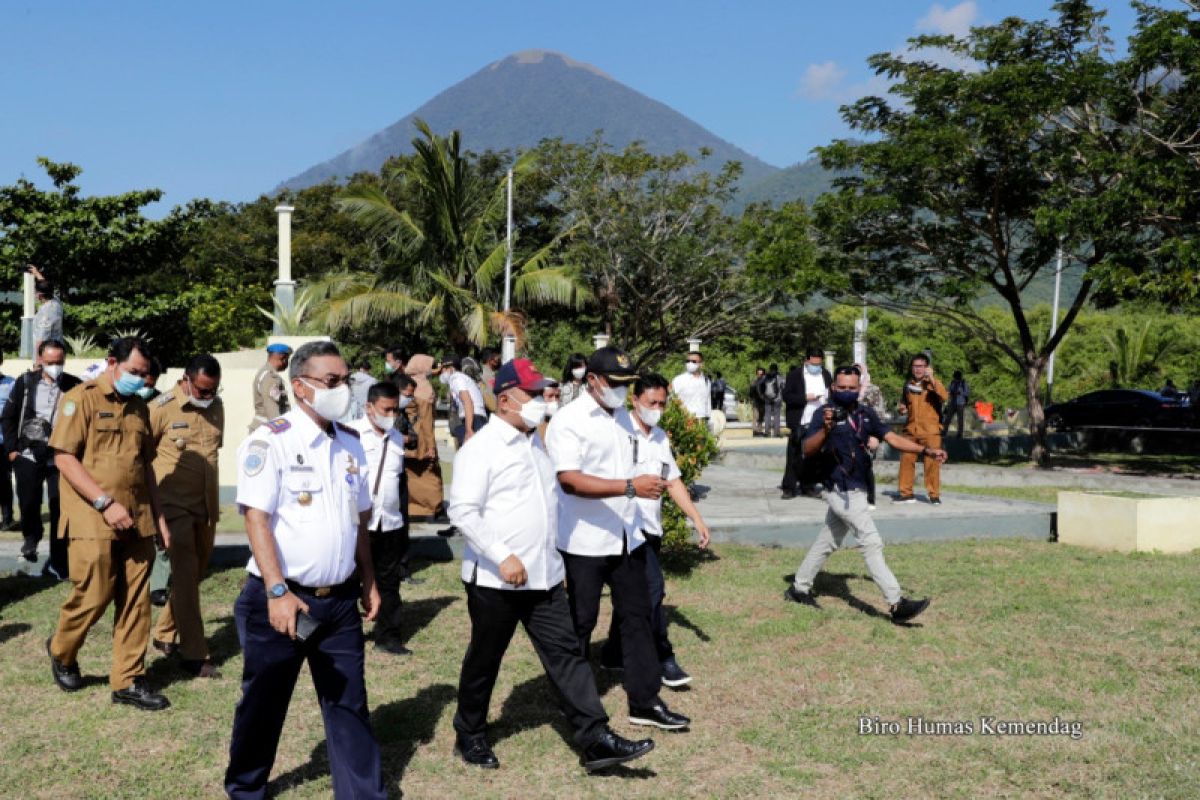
(848, 512)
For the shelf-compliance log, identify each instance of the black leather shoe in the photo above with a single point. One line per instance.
(67, 677)
(393, 646)
(159, 597)
(138, 695)
(659, 716)
(611, 749)
(674, 675)
(477, 752)
(794, 595)
(907, 609)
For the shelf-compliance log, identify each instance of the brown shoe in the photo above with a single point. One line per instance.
(201, 669)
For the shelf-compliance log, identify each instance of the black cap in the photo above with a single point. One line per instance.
(450, 359)
(614, 365)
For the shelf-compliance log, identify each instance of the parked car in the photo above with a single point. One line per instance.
(1120, 408)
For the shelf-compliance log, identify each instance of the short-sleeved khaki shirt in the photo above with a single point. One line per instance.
(185, 463)
(270, 396)
(110, 435)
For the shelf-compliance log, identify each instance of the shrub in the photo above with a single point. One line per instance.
(694, 448)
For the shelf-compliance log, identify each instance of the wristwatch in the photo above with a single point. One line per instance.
(102, 502)
(277, 591)
(630, 492)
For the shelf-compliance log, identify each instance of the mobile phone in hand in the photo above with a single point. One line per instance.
(306, 626)
(666, 471)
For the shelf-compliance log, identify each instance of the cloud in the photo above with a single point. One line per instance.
(821, 81)
(956, 20)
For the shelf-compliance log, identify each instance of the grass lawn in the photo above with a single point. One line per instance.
(1018, 630)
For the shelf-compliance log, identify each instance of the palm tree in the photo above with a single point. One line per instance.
(444, 252)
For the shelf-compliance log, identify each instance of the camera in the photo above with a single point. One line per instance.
(840, 415)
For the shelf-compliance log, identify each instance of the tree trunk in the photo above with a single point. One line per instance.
(1038, 453)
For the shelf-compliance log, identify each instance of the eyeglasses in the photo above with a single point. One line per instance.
(329, 382)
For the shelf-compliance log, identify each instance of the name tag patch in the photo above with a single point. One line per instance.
(176, 425)
(105, 415)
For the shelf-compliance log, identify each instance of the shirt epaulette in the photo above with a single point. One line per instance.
(278, 425)
(349, 430)
(163, 399)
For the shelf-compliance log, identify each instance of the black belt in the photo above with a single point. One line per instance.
(349, 586)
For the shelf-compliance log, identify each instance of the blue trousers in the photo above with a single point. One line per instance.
(272, 664)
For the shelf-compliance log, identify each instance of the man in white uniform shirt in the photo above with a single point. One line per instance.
(302, 487)
(693, 388)
(592, 444)
(384, 448)
(467, 399)
(504, 499)
(655, 458)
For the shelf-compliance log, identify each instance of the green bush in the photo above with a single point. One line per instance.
(694, 448)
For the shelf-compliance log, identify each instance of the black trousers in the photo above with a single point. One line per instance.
(387, 553)
(625, 575)
(32, 476)
(272, 664)
(6, 486)
(547, 620)
(613, 652)
(795, 453)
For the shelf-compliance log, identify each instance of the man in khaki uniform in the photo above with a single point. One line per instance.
(270, 395)
(922, 401)
(104, 450)
(187, 424)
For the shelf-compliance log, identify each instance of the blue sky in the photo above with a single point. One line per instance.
(224, 100)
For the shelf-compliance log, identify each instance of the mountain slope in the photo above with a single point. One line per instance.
(529, 96)
(805, 181)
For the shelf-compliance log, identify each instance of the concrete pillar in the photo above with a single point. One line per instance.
(508, 348)
(27, 312)
(285, 287)
(830, 363)
(694, 344)
(860, 340)
(600, 340)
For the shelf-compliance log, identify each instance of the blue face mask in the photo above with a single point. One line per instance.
(146, 392)
(844, 399)
(128, 384)
(812, 369)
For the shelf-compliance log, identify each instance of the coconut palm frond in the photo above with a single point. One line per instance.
(551, 286)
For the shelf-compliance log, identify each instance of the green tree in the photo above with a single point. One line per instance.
(975, 177)
(439, 219)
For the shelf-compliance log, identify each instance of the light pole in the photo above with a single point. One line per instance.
(1054, 324)
(285, 287)
(27, 313)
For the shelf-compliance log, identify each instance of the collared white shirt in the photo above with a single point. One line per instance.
(461, 382)
(504, 499)
(386, 514)
(584, 437)
(813, 384)
(694, 392)
(653, 453)
(314, 487)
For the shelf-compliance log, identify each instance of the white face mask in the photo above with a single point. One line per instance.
(533, 412)
(53, 371)
(650, 416)
(692, 367)
(330, 404)
(197, 401)
(405, 401)
(551, 408)
(444, 379)
(579, 372)
(383, 423)
(612, 398)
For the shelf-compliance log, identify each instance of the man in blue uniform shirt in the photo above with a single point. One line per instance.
(302, 487)
(838, 434)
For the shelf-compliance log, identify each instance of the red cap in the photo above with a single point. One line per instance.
(520, 373)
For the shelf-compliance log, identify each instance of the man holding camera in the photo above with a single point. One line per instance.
(922, 401)
(27, 421)
(840, 433)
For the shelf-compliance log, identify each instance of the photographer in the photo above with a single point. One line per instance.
(837, 441)
(922, 401)
(27, 422)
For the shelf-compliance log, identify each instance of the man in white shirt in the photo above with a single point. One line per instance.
(693, 388)
(302, 488)
(654, 457)
(592, 444)
(504, 499)
(384, 448)
(467, 399)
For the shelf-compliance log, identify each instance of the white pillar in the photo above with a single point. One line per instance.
(27, 313)
(830, 365)
(694, 344)
(1054, 324)
(508, 348)
(285, 287)
(509, 248)
(600, 340)
(860, 339)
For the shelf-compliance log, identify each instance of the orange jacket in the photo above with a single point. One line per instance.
(924, 408)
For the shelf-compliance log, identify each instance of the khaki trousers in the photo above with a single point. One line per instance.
(107, 571)
(192, 539)
(933, 470)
